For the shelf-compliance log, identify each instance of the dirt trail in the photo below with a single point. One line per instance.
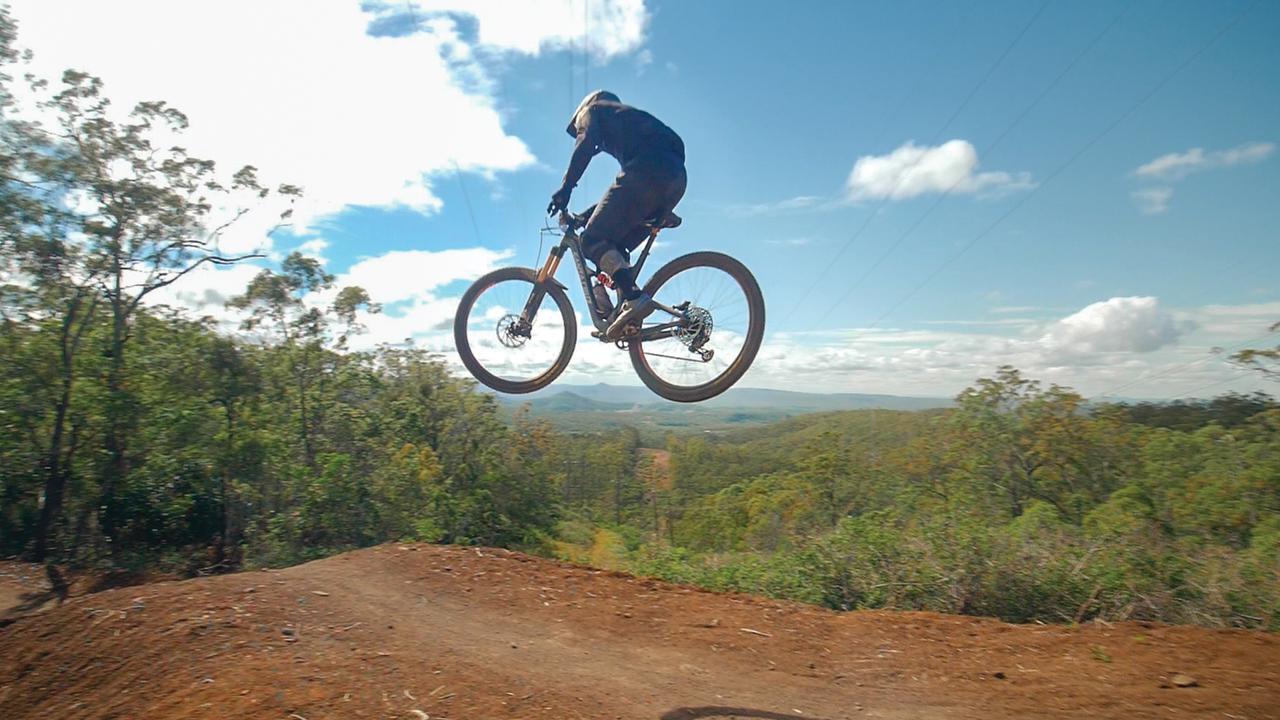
(420, 631)
(656, 466)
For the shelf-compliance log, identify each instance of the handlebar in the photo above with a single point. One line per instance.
(570, 222)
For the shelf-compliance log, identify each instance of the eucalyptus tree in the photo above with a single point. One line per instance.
(1263, 360)
(286, 306)
(100, 210)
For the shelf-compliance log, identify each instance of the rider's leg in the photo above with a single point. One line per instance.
(630, 200)
(669, 187)
(639, 192)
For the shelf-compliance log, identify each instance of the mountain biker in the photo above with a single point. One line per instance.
(651, 182)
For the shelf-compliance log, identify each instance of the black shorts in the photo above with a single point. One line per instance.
(641, 191)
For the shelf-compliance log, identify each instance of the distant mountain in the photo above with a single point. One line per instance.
(774, 400)
(757, 397)
(569, 401)
(596, 408)
(603, 407)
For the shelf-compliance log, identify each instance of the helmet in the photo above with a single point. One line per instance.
(587, 101)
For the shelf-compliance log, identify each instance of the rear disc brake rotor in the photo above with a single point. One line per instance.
(697, 329)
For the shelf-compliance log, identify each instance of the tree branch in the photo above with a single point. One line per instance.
(212, 259)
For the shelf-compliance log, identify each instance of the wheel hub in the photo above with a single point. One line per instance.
(513, 331)
(697, 327)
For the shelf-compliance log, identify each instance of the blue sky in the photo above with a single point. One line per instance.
(924, 189)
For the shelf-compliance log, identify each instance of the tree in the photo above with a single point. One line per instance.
(279, 303)
(1262, 360)
(144, 211)
(100, 212)
(48, 285)
(232, 381)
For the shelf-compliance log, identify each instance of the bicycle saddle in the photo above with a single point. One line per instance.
(666, 219)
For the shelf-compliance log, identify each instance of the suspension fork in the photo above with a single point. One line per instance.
(548, 272)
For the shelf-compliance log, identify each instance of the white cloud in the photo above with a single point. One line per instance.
(644, 59)
(1153, 201)
(1009, 322)
(1175, 166)
(1103, 346)
(414, 275)
(612, 27)
(1236, 321)
(314, 248)
(799, 202)
(408, 283)
(1121, 324)
(301, 89)
(913, 170)
(206, 290)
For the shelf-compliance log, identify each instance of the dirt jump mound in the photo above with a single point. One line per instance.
(431, 632)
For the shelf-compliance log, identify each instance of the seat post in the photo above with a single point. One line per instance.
(644, 254)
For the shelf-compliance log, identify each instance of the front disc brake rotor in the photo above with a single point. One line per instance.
(513, 331)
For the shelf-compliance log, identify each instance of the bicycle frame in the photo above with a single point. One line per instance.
(570, 242)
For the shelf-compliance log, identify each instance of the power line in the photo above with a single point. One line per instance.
(891, 116)
(572, 83)
(586, 45)
(1192, 392)
(938, 50)
(1071, 160)
(471, 213)
(1181, 366)
(902, 177)
(985, 151)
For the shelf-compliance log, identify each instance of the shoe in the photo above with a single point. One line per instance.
(631, 311)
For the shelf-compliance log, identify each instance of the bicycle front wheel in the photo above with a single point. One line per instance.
(513, 333)
(719, 330)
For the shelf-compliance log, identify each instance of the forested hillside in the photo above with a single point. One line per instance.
(1019, 504)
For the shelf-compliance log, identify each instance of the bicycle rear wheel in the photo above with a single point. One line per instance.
(721, 327)
(499, 347)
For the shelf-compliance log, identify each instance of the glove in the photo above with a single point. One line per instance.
(559, 201)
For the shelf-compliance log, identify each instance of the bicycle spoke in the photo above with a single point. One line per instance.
(710, 291)
(505, 346)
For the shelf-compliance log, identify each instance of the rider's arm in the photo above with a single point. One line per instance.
(584, 149)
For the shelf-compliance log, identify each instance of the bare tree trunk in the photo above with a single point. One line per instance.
(304, 422)
(117, 463)
(57, 471)
(55, 482)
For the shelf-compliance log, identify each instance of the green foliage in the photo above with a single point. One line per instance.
(1019, 504)
(133, 434)
(1228, 411)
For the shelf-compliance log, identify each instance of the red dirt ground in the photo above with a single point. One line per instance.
(421, 631)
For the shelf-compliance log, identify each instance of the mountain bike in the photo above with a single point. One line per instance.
(516, 330)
